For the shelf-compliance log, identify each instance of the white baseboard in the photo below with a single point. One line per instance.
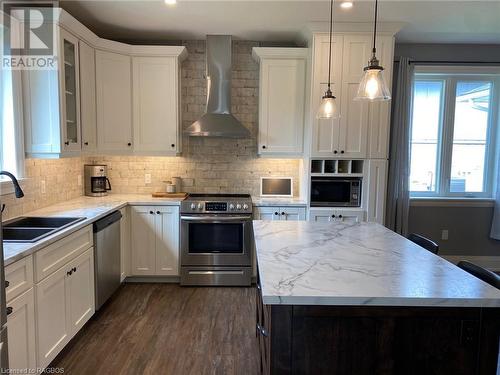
(490, 262)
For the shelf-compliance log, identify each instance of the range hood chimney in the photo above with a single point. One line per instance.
(218, 121)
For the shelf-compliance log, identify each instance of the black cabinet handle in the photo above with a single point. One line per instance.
(173, 145)
(340, 216)
(276, 213)
(158, 212)
(7, 283)
(151, 212)
(66, 143)
(342, 151)
(86, 143)
(335, 151)
(74, 269)
(283, 213)
(262, 330)
(263, 146)
(69, 273)
(10, 309)
(129, 144)
(333, 216)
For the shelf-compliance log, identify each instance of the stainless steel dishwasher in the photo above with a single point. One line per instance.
(106, 257)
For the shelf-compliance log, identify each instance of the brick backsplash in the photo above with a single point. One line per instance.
(206, 164)
(61, 183)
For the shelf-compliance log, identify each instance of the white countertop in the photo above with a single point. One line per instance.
(92, 208)
(278, 201)
(310, 263)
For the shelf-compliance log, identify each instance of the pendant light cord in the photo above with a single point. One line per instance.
(374, 50)
(330, 46)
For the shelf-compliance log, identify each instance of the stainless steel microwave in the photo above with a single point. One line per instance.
(336, 191)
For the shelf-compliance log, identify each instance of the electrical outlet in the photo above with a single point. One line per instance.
(79, 180)
(444, 234)
(147, 178)
(42, 187)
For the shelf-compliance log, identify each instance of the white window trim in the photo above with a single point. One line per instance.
(450, 75)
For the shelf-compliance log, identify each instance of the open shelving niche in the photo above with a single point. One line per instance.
(337, 167)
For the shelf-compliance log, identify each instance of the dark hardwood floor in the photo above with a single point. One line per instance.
(167, 329)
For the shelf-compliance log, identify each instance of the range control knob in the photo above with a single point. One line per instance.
(193, 206)
(245, 206)
(238, 206)
(231, 207)
(200, 206)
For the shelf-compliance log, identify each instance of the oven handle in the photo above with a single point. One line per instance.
(215, 218)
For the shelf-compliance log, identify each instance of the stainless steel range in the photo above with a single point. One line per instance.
(216, 239)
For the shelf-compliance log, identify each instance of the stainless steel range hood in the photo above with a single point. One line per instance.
(218, 121)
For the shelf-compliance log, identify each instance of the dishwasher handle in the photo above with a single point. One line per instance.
(106, 221)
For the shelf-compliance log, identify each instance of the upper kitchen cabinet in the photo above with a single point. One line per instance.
(156, 118)
(88, 115)
(281, 100)
(362, 129)
(52, 103)
(114, 102)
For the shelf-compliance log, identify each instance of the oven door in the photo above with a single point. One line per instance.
(210, 240)
(331, 192)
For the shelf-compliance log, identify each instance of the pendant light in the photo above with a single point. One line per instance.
(373, 86)
(328, 106)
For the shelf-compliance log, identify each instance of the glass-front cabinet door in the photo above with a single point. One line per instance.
(70, 92)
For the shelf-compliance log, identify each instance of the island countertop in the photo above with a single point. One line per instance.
(311, 263)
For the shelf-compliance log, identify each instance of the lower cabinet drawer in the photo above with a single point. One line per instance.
(53, 257)
(19, 275)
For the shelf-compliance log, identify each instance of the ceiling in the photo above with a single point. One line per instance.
(425, 21)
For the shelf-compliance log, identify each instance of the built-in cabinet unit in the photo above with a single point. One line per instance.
(114, 98)
(336, 215)
(154, 240)
(51, 103)
(156, 105)
(88, 114)
(104, 97)
(279, 213)
(50, 296)
(282, 87)
(376, 184)
(361, 130)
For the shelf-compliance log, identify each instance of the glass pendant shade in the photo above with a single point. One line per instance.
(373, 86)
(328, 107)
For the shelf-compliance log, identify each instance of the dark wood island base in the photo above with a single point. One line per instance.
(297, 339)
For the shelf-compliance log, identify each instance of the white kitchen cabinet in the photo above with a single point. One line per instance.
(167, 240)
(336, 215)
(280, 213)
(154, 240)
(156, 105)
(281, 100)
(377, 185)
(114, 102)
(51, 103)
(64, 302)
(125, 243)
(88, 115)
(362, 129)
(21, 332)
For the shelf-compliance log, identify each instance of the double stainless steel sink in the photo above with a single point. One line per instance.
(32, 229)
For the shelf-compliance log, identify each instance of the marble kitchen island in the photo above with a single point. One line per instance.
(345, 298)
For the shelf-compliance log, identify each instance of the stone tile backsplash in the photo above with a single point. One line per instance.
(206, 164)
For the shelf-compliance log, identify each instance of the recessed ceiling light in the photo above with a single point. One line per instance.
(170, 2)
(346, 4)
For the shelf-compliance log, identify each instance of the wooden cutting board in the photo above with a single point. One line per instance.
(162, 194)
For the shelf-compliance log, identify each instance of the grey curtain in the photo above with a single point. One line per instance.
(495, 225)
(398, 195)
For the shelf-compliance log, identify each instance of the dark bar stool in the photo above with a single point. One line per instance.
(424, 242)
(481, 273)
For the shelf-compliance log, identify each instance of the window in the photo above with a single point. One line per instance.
(454, 121)
(11, 149)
